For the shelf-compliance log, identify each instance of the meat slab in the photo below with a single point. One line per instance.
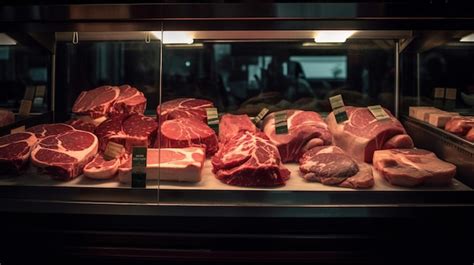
(129, 101)
(184, 108)
(249, 159)
(306, 129)
(230, 125)
(413, 167)
(186, 132)
(99, 168)
(460, 125)
(44, 130)
(362, 134)
(81, 125)
(6, 117)
(96, 102)
(15, 150)
(127, 130)
(330, 165)
(64, 156)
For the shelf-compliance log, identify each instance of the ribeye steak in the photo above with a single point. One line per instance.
(129, 101)
(230, 125)
(15, 150)
(96, 102)
(44, 130)
(184, 108)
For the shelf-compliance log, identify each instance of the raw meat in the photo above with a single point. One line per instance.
(127, 130)
(470, 135)
(460, 125)
(230, 125)
(99, 168)
(184, 108)
(412, 167)
(81, 125)
(6, 117)
(362, 134)
(44, 130)
(170, 164)
(306, 129)
(96, 102)
(185, 132)
(330, 165)
(15, 150)
(87, 119)
(249, 159)
(129, 101)
(64, 156)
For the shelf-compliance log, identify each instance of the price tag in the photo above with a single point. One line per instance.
(18, 129)
(261, 115)
(451, 93)
(112, 150)
(40, 91)
(29, 93)
(213, 119)
(337, 105)
(25, 107)
(439, 92)
(281, 122)
(378, 112)
(139, 155)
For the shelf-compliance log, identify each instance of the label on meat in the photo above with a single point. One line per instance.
(213, 119)
(25, 107)
(112, 150)
(337, 105)
(18, 129)
(261, 115)
(378, 112)
(281, 122)
(139, 156)
(439, 92)
(451, 93)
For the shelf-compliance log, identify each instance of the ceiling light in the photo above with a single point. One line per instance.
(333, 36)
(6, 40)
(174, 37)
(467, 38)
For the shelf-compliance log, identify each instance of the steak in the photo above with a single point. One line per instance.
(249, 159)
(64, 155)
(96, 102)
(15, 150)
(169, 164)
(230, 125)
(81, 125)
(6, 117)
(330, 165)
(412, 167)
(460, 125)
(44, 130)
(362, 134)
(127, 130)
(306, 129)
(186, 132)
(129, 101)
(99, 168)
(184, 108)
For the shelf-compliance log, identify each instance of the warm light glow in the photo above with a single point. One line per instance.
(467, 38)
(6, 40)
(174, 37)
(333, 36)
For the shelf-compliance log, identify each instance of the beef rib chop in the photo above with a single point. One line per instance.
(15, 150)
(184, 108)
(96, 102)
(412, 167)
(81, 125)
(330, 165)
(99, 168)
(44, 130)
(129, 101)
(362, 134)
(230, 125)
(186, 132)
(306, 129)
(6, 117)
(64, 155)
(249, 159)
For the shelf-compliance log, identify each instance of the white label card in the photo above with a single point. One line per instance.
(336, 102)
(213, 118)
(337, 105)
(112, 150)
(439, 92)
(261, 115)
(281, 122)
(451, 93)
(378, 112)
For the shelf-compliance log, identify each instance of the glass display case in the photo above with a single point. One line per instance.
(323, 113)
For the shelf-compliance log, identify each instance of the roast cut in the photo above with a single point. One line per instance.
(129, 101)
(184, 108)
(15, 150)
(230, 125)
(96, 102)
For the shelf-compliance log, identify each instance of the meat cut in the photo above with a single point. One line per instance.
(249, 159)
(184, 108)
(330, 165)
(470, 135)
(169, 164)
(129, 101)
(99, 168)
(127, 130)
(44, 130)
(230, 125)
(87, 119)
(6, 117)
(15, 150)
(64, 156)
(96, 102)
(362, 134)
(186, 132)
(412, 167)
(306, 129)
(81, 125)
(460, 125)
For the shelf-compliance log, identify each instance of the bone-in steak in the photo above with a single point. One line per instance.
(15, 150)
(96, 102)
(184, 108)
(362, 134)
(306, 129)
(99, 168)
(81, 125)
(249, 159)
(230, 125)
(44, 130)
(129, 101)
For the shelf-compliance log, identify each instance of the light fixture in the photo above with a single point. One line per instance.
(6, 40)
(174, 37)
(467, 38)
(333, 36)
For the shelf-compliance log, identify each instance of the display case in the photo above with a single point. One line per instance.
(185, 131)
